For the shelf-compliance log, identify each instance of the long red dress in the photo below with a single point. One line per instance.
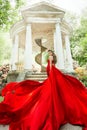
(30, 105)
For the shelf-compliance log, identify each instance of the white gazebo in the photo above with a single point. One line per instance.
(43, 26)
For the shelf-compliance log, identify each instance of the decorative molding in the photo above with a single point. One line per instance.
(41, 20)
(16, 28)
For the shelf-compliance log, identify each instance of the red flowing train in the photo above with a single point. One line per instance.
(31, 105)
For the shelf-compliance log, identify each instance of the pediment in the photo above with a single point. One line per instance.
(43, 7)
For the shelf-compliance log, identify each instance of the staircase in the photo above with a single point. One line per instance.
(38, 57)
(39, 76)
(36, 76)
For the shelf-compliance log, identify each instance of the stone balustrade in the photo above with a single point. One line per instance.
(19, 66)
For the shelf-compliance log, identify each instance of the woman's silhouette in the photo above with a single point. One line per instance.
(51, 61)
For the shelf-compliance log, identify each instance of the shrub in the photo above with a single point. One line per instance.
(84, 80)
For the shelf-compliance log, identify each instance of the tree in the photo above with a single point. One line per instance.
(72, 19)
(4, 13)
(9, 14)
(79, 40)
(4, 51)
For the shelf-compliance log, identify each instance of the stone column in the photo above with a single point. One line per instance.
(68, 54)
(28, 49)
(55, 50)
(58, 47)
(14, 56)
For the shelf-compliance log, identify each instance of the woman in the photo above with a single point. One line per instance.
(30, 105)
(51, 61)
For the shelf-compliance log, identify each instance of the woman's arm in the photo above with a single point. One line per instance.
(50, 59)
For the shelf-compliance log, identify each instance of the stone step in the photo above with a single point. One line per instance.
(36, 73)
(64, 127)
(36, 76)
(40, 73)
(36, 79)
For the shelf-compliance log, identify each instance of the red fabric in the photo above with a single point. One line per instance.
(30, 105)
(48, 68)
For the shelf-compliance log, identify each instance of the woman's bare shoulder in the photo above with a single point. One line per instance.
(50, 57)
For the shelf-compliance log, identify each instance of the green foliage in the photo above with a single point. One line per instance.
(19, 3)
(1, 98)
(79, 42)
(5, 48)
(4, 12)
(72, 19)
(84, 80)
(8, 14)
